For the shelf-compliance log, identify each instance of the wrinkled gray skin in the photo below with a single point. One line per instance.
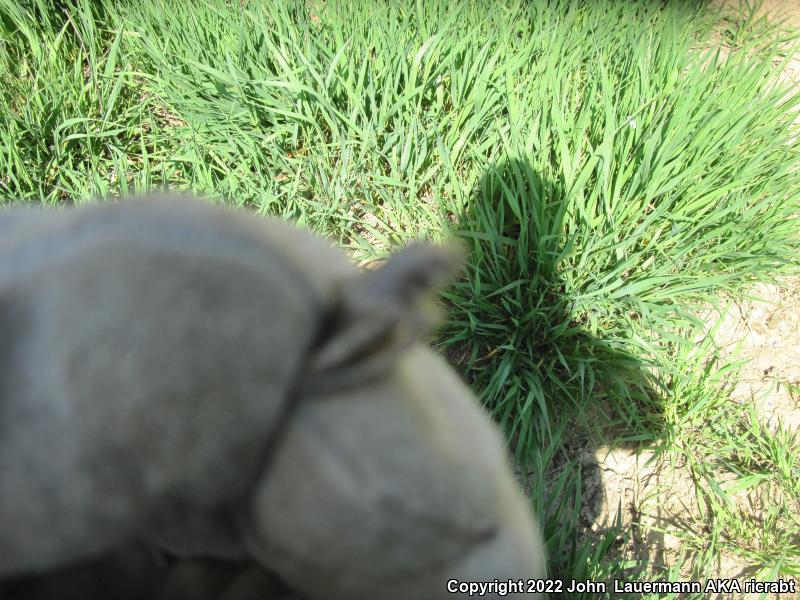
(130, 575)
(138, 573)
(231, 387)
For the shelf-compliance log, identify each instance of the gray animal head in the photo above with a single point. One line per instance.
(232, 387)
(388, 455)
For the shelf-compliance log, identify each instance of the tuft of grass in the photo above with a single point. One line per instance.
(71, 126)
(610, 172)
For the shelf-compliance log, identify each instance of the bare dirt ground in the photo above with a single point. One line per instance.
(657, 498)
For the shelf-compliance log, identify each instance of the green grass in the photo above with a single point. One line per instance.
(610, 173)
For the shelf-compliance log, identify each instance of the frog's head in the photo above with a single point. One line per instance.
(390, 481)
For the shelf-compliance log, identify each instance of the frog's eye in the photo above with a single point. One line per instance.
(382, 312)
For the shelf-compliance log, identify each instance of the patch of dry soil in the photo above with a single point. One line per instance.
(655, 497)
(766, 331)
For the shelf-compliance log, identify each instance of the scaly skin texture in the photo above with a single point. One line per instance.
(229, 387)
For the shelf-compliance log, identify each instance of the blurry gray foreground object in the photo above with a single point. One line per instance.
(138, 573)
(223, 386)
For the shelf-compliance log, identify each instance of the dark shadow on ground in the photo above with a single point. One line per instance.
(559, 392)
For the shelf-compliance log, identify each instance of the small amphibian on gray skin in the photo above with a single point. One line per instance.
(226, 387)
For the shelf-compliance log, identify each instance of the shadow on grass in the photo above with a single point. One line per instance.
(559, 392)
